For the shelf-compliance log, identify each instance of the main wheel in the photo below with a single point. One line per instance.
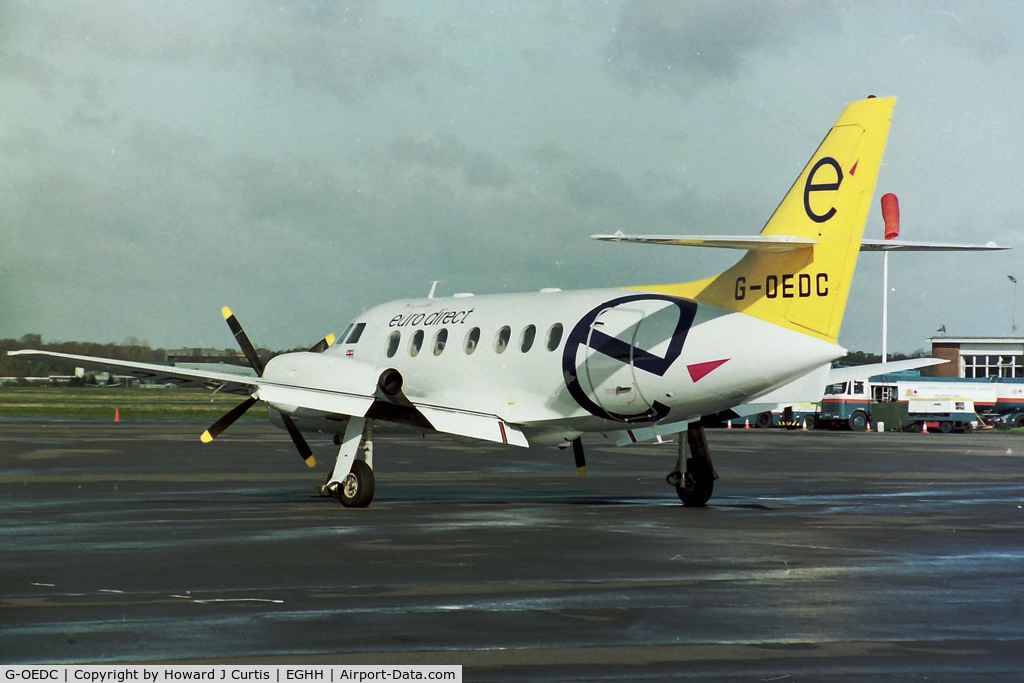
(858, 421)
(808, 422)
(356, 490)
(698, 483)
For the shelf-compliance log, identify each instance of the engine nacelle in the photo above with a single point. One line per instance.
(305, 383)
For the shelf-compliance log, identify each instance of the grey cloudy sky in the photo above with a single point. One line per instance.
(303, 161)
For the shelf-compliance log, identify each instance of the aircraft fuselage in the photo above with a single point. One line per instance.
(560, 363)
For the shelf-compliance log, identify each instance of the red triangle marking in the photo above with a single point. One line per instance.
(699, 371)
(854, 169)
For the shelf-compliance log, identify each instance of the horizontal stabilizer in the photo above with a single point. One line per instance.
(903, 245)
(773, 243)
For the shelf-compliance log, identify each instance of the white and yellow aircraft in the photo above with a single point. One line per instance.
(545, 368)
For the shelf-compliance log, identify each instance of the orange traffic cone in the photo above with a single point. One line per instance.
(924, 427)
(746, 423)
(728, 425)
(117, 415)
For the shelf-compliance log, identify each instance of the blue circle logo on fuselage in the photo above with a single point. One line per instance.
(611, 348)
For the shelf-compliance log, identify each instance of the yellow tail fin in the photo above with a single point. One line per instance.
(805, 288)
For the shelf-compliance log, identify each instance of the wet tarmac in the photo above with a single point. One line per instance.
(822, 556)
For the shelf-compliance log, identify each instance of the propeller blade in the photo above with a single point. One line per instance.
(229, 419)
(300, 442)
(323, 344)
(581, 459)
(243, 341)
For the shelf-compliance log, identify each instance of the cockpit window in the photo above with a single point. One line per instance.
(356, 334)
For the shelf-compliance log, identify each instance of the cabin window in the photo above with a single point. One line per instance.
(501, 339)
(356, 334)
(527, 337)
(554, 337)
(393, 341)
(858, 388)
(416, 343)
(472, 340)
(440, 339)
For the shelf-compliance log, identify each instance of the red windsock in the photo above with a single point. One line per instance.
(891, 215)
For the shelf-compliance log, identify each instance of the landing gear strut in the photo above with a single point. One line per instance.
(694, 485)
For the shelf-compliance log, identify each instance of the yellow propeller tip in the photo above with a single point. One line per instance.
(226, 312)
(206, 437)
(330, 340)
(582, 471)
(311, 461)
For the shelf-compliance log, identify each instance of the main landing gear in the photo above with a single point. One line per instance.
(694, 485)
(352, 480)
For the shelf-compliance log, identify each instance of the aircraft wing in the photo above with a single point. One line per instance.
(475, 425)
(803, 391)
(231, 382)
(314, 383)
(865, 371)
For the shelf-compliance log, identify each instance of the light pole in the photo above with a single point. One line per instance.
(891, 216)
(1013, 328)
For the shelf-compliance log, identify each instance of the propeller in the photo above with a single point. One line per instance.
(232, 416)
(581, 459)
(323, 344)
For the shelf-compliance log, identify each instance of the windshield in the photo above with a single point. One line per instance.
(836, 389)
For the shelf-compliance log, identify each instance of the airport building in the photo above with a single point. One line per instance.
(978, 357)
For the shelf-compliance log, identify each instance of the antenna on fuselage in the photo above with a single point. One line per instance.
(433, 288)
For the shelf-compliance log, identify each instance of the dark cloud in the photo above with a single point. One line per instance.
(683, 43)
(344, 50)
(170, 222)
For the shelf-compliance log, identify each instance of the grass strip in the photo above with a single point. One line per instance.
(128, 404)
